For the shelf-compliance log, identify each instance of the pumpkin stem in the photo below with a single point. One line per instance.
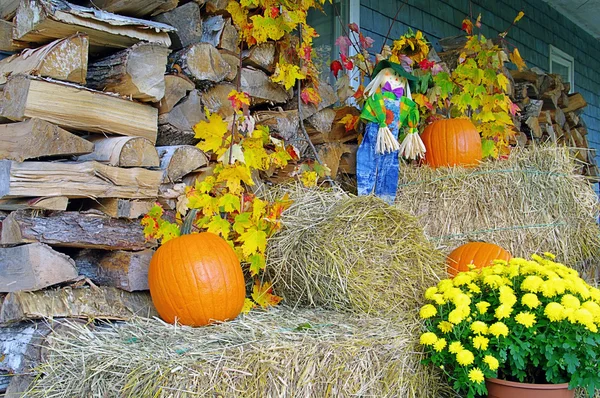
(186, 228)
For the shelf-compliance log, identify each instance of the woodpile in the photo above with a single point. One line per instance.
(97, 111)
(550, 113)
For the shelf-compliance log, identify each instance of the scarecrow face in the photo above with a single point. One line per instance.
(392, 77)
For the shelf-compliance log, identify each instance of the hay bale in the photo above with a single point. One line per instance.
(351, 254)
(281, 353)
(530, 203)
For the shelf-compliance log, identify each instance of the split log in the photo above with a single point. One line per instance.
(176, 88)
(96, 303)
(121, 269)
(328, 98)
(187, 19)
(534, 127)
(216, 100)
(229, 38)
(261, 89)
(338, 130)
(136, 72)
(533, 108)
(6, 39)
(8, 9)
(331, 154)
(33, 267)
(123, 208)
(74, 229)
(263, 56)
(234, 64)
(20, 352)
(215, 6)
(576, 102)
(284, 123)
(558, 131)
(549, 129)
(201, 62)
(179, 160)
(545, 118)
(220, 33)
(64, 59)
(52, 203)
(134, 8)
(348, 160)
(176, 127)
(76, 108)
(122, 152)
(558, 117)
(563, 100)
(36, 138)
(76, 180)
(572, 119)
(41, 21)
(527, 75)
(319, 125)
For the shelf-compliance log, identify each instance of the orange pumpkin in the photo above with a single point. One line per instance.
(480, 254)
(196, 279)
(452, 142)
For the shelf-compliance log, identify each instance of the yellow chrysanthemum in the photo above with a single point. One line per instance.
(439, 299)
(428, 338)
(481, 342)
(457, 315)
(491, 361)
(482, 307)
(444, 285)
(476, 375)
(583, 316)
(558, 284)
(498, 329)
(592, 328)
(526, 319)
(465, 357)
(593, 308)
(555, 312)
(455, 347)
(507, 296)
(439, 345)
(570, 301)
(479, 327)
(430, 292)
(503, 311)
(548, 289)
(427, 311)
(461, 300)
(474, 288)
(445, 326)
(450, 294)
(532, 283)
(530, 300)
(463, 278)
(493, 281)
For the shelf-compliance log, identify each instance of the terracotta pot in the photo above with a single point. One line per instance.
(512, 389)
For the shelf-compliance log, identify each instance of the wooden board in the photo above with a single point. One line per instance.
(123, 208)
(74, 229)
(33, 267)
(122, 269)
(176, 88)
(76, 108)
(122, 152)
(52, 203)
(137, 72)
(134, 8)
(36, 138)
(187, 19)
(41, 21)
(200, 62)
(94, 303)
(63, 59)
(179, 160)
(6, 39)
(76, 180)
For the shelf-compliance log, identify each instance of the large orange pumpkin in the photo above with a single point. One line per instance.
(196, 279)
(480, 254)
(452, 142)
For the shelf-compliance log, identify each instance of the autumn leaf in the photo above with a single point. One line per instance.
(229, 203)
(309, 178)
(253, 241)
(478, 22)
(234, 175)
(343, 42)
(211, 133)
(207, 204)
(310, 95)
(248, 306)
(350, 121)
(489, 149)
(520, 15)
(502, 81)
(336, 67)
(238, 99)
(515, 58)
(242, 222)
(354, 27)
(258, 209)
(257, 263)
(219, 226)
(263, 295)
(286, 74)
(467, 26)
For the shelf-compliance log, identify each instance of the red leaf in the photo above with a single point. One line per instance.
(467, 26)
(354, 27)
(274, 12)
(310, 95)
(426, 64)
(336, 67)
(291, 150)
(347, 62)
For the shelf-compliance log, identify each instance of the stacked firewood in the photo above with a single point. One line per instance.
(549, 113)
(96, 125)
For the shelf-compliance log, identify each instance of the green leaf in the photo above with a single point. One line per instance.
(488, 149)
(572, 362)
(230, 203)
(219, 226)
(242, 222)
(257, 263)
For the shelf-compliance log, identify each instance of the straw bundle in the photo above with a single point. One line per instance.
(282, 353)
(531, 203)
(351, 254)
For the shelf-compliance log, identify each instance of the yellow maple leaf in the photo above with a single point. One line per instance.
(350, 121)
(253, 241)
(263, 295)
(255, 155)
(204, 202)
(518, 17)
(309, 178)
(248, 306)
(211, 132)
(502, 81)
(234, 175)
(258, 209)
(286, 74)
(219, 226)
(515, 58)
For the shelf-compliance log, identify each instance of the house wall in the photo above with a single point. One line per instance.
(541, 26)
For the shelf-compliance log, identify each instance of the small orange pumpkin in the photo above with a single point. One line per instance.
(480, 254)
(196, 279)
(452, 142)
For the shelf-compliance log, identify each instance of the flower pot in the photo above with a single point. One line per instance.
(508, 389)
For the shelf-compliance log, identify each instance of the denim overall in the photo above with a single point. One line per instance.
(377, 172)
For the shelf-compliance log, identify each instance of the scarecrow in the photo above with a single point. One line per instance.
(389, 107)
